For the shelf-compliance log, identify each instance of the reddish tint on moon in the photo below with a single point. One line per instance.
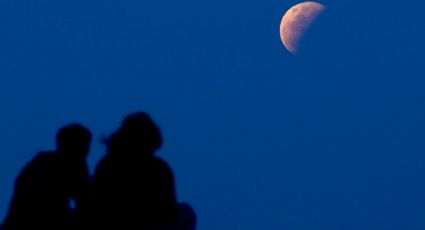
(296, 21)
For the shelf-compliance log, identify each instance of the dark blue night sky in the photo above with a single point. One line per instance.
(332, 138)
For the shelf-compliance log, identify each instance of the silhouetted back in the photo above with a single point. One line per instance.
(137, 193)
(44, 187)
(131, 187)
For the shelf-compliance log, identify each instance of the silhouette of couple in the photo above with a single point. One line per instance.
(130, 189)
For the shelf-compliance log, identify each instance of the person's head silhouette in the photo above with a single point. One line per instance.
(137, 134)
(73, 141)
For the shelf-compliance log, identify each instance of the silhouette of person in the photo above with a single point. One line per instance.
(132, 188)
(47, 184)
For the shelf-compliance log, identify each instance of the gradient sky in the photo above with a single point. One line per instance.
(332, 138)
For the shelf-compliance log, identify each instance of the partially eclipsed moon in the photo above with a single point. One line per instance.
(296, 21)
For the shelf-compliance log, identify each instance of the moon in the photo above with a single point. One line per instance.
(296, 21)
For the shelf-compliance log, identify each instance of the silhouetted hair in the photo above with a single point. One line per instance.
(137, 132)
(73, 137)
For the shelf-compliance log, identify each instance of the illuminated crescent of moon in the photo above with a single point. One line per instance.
(296, 21)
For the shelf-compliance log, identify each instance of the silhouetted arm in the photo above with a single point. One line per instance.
(81, 186)
(188, 217)
(80, 192)
(165, 189)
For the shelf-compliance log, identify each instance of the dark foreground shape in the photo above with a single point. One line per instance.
(132, 188)
(45, 186)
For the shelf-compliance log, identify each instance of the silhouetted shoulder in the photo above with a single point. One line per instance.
(162, 175)
(40, 159)
(161, 164)
(103, 165)
(38, 165)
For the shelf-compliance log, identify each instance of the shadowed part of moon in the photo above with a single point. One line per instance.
(296, 21)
